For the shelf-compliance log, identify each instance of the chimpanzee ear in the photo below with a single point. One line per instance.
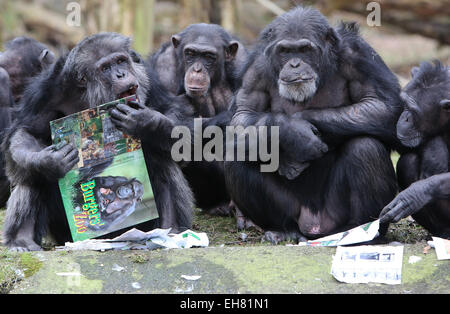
(46, 58)
(231, 51)
(332, 37)
(176, 40)
(414, 71)
(135, 57)
(445, 104)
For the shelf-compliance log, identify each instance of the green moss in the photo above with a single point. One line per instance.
(139, 258)
(29, 264)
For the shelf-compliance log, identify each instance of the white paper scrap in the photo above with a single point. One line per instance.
(442, 247)
(138, 240)
(368, 264)
(360, 234)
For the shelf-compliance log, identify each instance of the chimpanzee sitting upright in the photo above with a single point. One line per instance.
(202, 63)
(424, 174)
(303, 71)
(100, 69)
(23, 59)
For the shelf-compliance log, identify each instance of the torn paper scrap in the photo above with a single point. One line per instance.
(361, 234)
(368, 264)
(138, 240)
(442, 248)
(191, 278)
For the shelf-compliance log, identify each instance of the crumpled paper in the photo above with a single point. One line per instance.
(139, 240)
(360, 234)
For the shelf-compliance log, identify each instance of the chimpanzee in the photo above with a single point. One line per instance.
(6, 101)
(23, 59)
(100, 69)
(336, 105)
(202, 64)
(423, 173)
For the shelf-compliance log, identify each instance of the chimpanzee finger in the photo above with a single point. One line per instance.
(117, 115)
(66, 150)
(119, 124)
(402, 212)
(136, 105)
(72, 156)
(125, 109)
(71, 165)
(50, 148)
(391, 211)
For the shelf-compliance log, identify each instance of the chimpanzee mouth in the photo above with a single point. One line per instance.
(196, 88)
(129, 92)
(297, 81)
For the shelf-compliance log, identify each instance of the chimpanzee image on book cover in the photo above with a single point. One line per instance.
(109, 189)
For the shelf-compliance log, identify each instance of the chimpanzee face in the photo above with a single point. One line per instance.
(203, 54)
(427, 105)
(103, 68)
(298, 79)
(23, 59)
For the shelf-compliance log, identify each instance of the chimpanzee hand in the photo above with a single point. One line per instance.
(137, 120)
(55, 164)
(300, 141)
(291, 169)
(407, 203)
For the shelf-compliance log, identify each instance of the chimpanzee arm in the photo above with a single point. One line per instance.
(369, 115)
(31, 157)
(416, 197)
(373, 92)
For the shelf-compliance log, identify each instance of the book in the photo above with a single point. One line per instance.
(109, 189)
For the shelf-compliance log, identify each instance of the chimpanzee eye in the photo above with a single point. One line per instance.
(285, 50)
(189, 53)
(82, 81)
(210, 57)
(105, 68)
(304, 49)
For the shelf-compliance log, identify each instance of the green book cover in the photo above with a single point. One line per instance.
(109, 189)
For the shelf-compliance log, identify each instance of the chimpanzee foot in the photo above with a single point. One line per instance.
(223, 210)
(21, 246)
(276, 237)
(242, 222)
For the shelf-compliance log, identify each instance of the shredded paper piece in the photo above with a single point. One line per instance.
(138, 240)
(442, 248)
(357, 235)
(368, 264)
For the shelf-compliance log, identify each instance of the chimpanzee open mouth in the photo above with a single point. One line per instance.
(129, 92)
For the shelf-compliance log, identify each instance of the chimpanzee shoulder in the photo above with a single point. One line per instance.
(360, 62)
(37, 102)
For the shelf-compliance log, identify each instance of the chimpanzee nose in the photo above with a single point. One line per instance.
(198, 67)
(295, 63)
(120, 74)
